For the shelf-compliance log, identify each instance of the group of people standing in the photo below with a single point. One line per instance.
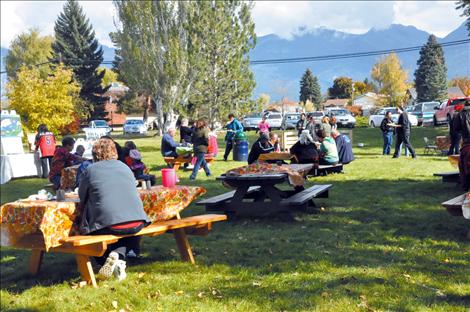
(402, 130)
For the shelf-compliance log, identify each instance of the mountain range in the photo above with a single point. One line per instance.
(279, 80)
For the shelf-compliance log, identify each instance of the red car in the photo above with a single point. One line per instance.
(444, 112)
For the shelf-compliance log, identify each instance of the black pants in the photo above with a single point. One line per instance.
(405, 139)
(322, 161)
(228, 148)
(46, 163)
(122, 246)
(454, 144)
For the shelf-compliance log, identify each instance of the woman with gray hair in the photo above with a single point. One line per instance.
(110, 204)
(305, 150)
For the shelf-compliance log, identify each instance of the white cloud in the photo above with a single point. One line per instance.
(19, 16)
(286, 18)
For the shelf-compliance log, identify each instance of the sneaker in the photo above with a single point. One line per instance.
(120, 270)
(108, 268)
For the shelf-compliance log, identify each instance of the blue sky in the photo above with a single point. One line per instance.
(284, 18)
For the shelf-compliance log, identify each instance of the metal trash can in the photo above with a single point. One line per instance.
(240, 147)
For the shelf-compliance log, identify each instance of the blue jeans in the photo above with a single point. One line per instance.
(200, 162)
(388, 141)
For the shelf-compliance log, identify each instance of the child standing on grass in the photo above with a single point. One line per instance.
(200, 141)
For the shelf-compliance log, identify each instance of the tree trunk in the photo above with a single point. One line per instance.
(170, 120)
(147, 105)
(159, 113)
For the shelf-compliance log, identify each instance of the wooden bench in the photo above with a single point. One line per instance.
(451, 177)
(184, 159)
(454, 205)
(215, 203)
(305, 198)
(323, 170)
(288, 138)
(86, 246)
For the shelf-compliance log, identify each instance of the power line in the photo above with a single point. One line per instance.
(303, 59)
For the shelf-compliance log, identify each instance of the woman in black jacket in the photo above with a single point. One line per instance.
(305, 150)
(387, 131)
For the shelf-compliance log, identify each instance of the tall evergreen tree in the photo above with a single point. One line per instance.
(310, 88)
(76, 47)
(431, 74)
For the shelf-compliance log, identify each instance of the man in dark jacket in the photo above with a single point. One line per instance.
(261, 146)
(454, 135)
(403, 130)
(461, 125)
(344, 146)
(233, 127)
(301, 124)
(387, 131)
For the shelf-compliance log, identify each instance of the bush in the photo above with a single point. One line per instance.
(73, 127)
(362, 122)
(356, 110)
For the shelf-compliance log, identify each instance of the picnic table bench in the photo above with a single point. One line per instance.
(454, 205)
(323, 170)
(257, 195)
(450, 177)
(86, 246)
(176, 162)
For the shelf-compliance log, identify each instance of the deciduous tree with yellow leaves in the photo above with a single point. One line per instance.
(391, 78)
(43, 100)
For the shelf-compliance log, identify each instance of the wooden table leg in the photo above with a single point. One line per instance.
(85, 269)
(35, 261)
(183, 245)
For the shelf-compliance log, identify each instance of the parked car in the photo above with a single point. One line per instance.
(317, 116)
(376, 118)
(251, 122)
(344, 118)
(102, 124)
(444, 112)
(423, 111)
(289, 121)
(134, 126)
(274, 120)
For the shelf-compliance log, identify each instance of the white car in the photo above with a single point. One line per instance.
(100, 124)
(134, 126)
(344, 118)
(376, 119)
(274, 120)
(251, 122)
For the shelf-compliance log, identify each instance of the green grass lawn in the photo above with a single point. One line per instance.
(382, 242)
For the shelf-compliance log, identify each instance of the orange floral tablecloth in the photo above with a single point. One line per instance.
(454, 160)
(295, 173)
(58, 220)
(275, 156)
(68, 177)
(443, 143)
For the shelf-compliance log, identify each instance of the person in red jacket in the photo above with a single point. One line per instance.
(45, 143)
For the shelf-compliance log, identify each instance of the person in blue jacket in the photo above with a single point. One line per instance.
(344, 146)
(233, 126)
(168, 144)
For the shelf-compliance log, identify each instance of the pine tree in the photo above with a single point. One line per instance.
(76, 47)
(310, 88)
(431, 74)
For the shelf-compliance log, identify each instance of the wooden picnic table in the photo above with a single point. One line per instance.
(256, 193)
(456, 206)
(51, 226)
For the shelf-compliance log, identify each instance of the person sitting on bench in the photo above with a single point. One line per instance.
(63, 158)
(261, 146)
(110, 204)
(328, 150)
(344, 146)
(274, 141)
(168, 144)
(140, 171)
(305, 150)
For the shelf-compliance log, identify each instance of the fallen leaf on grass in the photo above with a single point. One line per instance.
(407, 275)
(179, 292)
(141, 274)
(270, 251)
(201, 294)
(325, 294)
(256, 283)
(401, 249)
(115, 304)
(172, 251)
(216, 293)
(446, 260)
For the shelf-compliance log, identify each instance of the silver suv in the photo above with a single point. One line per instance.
(290, 121)
(274, 120)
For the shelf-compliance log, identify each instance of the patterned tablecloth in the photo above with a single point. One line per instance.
(68, 177)
(275, 156)
(454, 160)
(296, 173)
(58, 220)
(443, 143)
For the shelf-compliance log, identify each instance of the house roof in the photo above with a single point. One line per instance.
(454, 92)
(336, 102)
